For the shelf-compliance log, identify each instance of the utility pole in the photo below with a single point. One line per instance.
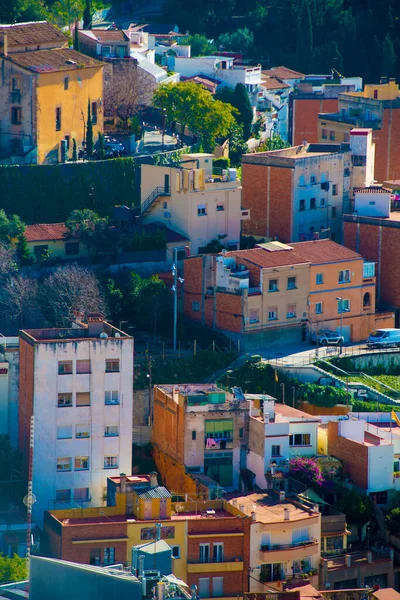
(30, 498)
(175, 288)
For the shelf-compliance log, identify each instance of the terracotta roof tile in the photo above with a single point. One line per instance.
(110, 35)
(36, 32)
(45, 232)
(321, 251)
(264, 259)
(273, 83)
(283, 73)
(50, 61)
(288, 411)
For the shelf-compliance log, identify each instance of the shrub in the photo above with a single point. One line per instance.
(306, 470)
(221, 163)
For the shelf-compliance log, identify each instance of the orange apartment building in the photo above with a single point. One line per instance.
(304, 108)
(377, 107)
(278, 292)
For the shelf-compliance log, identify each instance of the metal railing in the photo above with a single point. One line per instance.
(277, 547)
(223, 559)
(158, 191)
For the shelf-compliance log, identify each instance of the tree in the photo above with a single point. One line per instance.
(147, 298)
(122, 94)
(77, 45)
(358, 509)
(237, 145)
(393, 521)
(86, 225)
(87, 15)
(388, 58)
(114, 298)
(74, 150)
(273, 143)
(24, 255)
(10, 227)
(8, 265)
(89, 132)
(101, 146)
(241, 40)
(245, 113)
(215, 120)
(19, 303)
(304, 37)
(12, 569)
(306, 470)
(68, 291)
(199, 45)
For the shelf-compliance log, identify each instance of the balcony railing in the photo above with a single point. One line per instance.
(278, 547)
(209, 560)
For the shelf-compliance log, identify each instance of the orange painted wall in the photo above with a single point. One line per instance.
(305, 117)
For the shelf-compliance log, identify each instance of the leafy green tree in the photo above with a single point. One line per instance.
(86, 225)
(237, 145)
(215, 120)
(77, 45)
(89, 132)
(147, 299)
(12, 569)
(200, 45)
(114, 298)
(24, 255)
(305, 44)
(388, 58)
(10, 227)
(87, 15)
(241, 40)
(242, 103)
(358, 509)
(393, 521)
(273, 143)
(101, 146)
(225, 94)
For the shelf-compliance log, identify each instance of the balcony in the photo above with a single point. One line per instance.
(368, 270)
(227, 564)
(218, 444)
(279, 547)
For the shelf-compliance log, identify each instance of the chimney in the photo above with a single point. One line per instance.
(253, 515)
(3, 44)
(95, 324)
(282, 496)
(122, 482)
(153, 479)
(286, 514)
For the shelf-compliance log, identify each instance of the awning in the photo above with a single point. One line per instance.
(174, 579)
(313, 497)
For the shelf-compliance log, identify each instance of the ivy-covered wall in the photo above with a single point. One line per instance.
(49, 193)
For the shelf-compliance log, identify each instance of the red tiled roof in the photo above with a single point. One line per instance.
(322, 251)
(283, 73)
(273, 83)
(288, 411)
(50, 61)
(32, 33)
(46, 232)
(264, 259)
(110, 35)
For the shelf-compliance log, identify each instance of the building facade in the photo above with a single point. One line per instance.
(77, 384)
(193, 202)
(44, 93)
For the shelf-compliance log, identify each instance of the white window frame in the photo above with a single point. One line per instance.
(319, 305)
(64, 432)
(111, 397)
(81, 431)
(273, 313)
(111, 431)
(65, 465)
(317, 277)
(344, 276)
(110, 463)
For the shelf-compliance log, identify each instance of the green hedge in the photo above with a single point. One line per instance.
(49, 193)
(221, 163)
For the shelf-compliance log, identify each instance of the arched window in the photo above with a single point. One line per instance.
(367, 299)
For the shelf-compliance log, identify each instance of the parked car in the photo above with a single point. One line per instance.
(384, 338)
(327, 338)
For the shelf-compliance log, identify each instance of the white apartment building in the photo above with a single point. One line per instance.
(191, 201)
(277, 433)
(77, 383)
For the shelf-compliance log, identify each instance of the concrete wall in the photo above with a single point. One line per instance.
(372, 204)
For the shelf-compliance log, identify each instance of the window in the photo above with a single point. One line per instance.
(220, 207)
(334, 189)
(272, 313)
(291, 311)
(58, 118)
(241, 431)
(300, 439)
(346, 172)
(343, 305)
(254, 315)
(40, 251)
(82, 366)
(111, 397)
(313, 179)
(217, 587)
(112, 365)
(111, 462)
(313, 205)
(165, 205)
(273, 285)
(344, 276)
(218, 552)
(318, 308)
(71, 248)
(66, 83)
(359, 161)
(302, 180)
(106, 50)
(204, 553)
(176, 551)
(111, 431)
(63, 495)
(68, 140)
(82, 431)
(366, 300)
(82, 399)
(94, 113)
(332, 135)
(109, 556)
(194, 435)
(65, 367)
(322, 201)
(195, 306)
(346, 137)
(81, 463)
(16, 115)
(368, 269)
(95, 556)
(64, 400)
(333, 212)
(324, 134)
(63, 464)
(319, 278)
(15, 84)
(291, 283)
(81, 494)
(302, 205)
(276, 450)
(375, 94)
(201, 210)
(204, 587)
(219, 429)
(300, 535)
(273, 572)
(64, 432)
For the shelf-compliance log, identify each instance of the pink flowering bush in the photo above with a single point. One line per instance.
(306, 470)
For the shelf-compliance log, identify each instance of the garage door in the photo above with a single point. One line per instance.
(346, 332)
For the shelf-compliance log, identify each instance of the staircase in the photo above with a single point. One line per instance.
(158, 192)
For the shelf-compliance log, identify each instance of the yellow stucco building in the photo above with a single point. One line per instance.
(44, 95)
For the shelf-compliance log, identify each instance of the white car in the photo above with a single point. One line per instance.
(327, 338)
